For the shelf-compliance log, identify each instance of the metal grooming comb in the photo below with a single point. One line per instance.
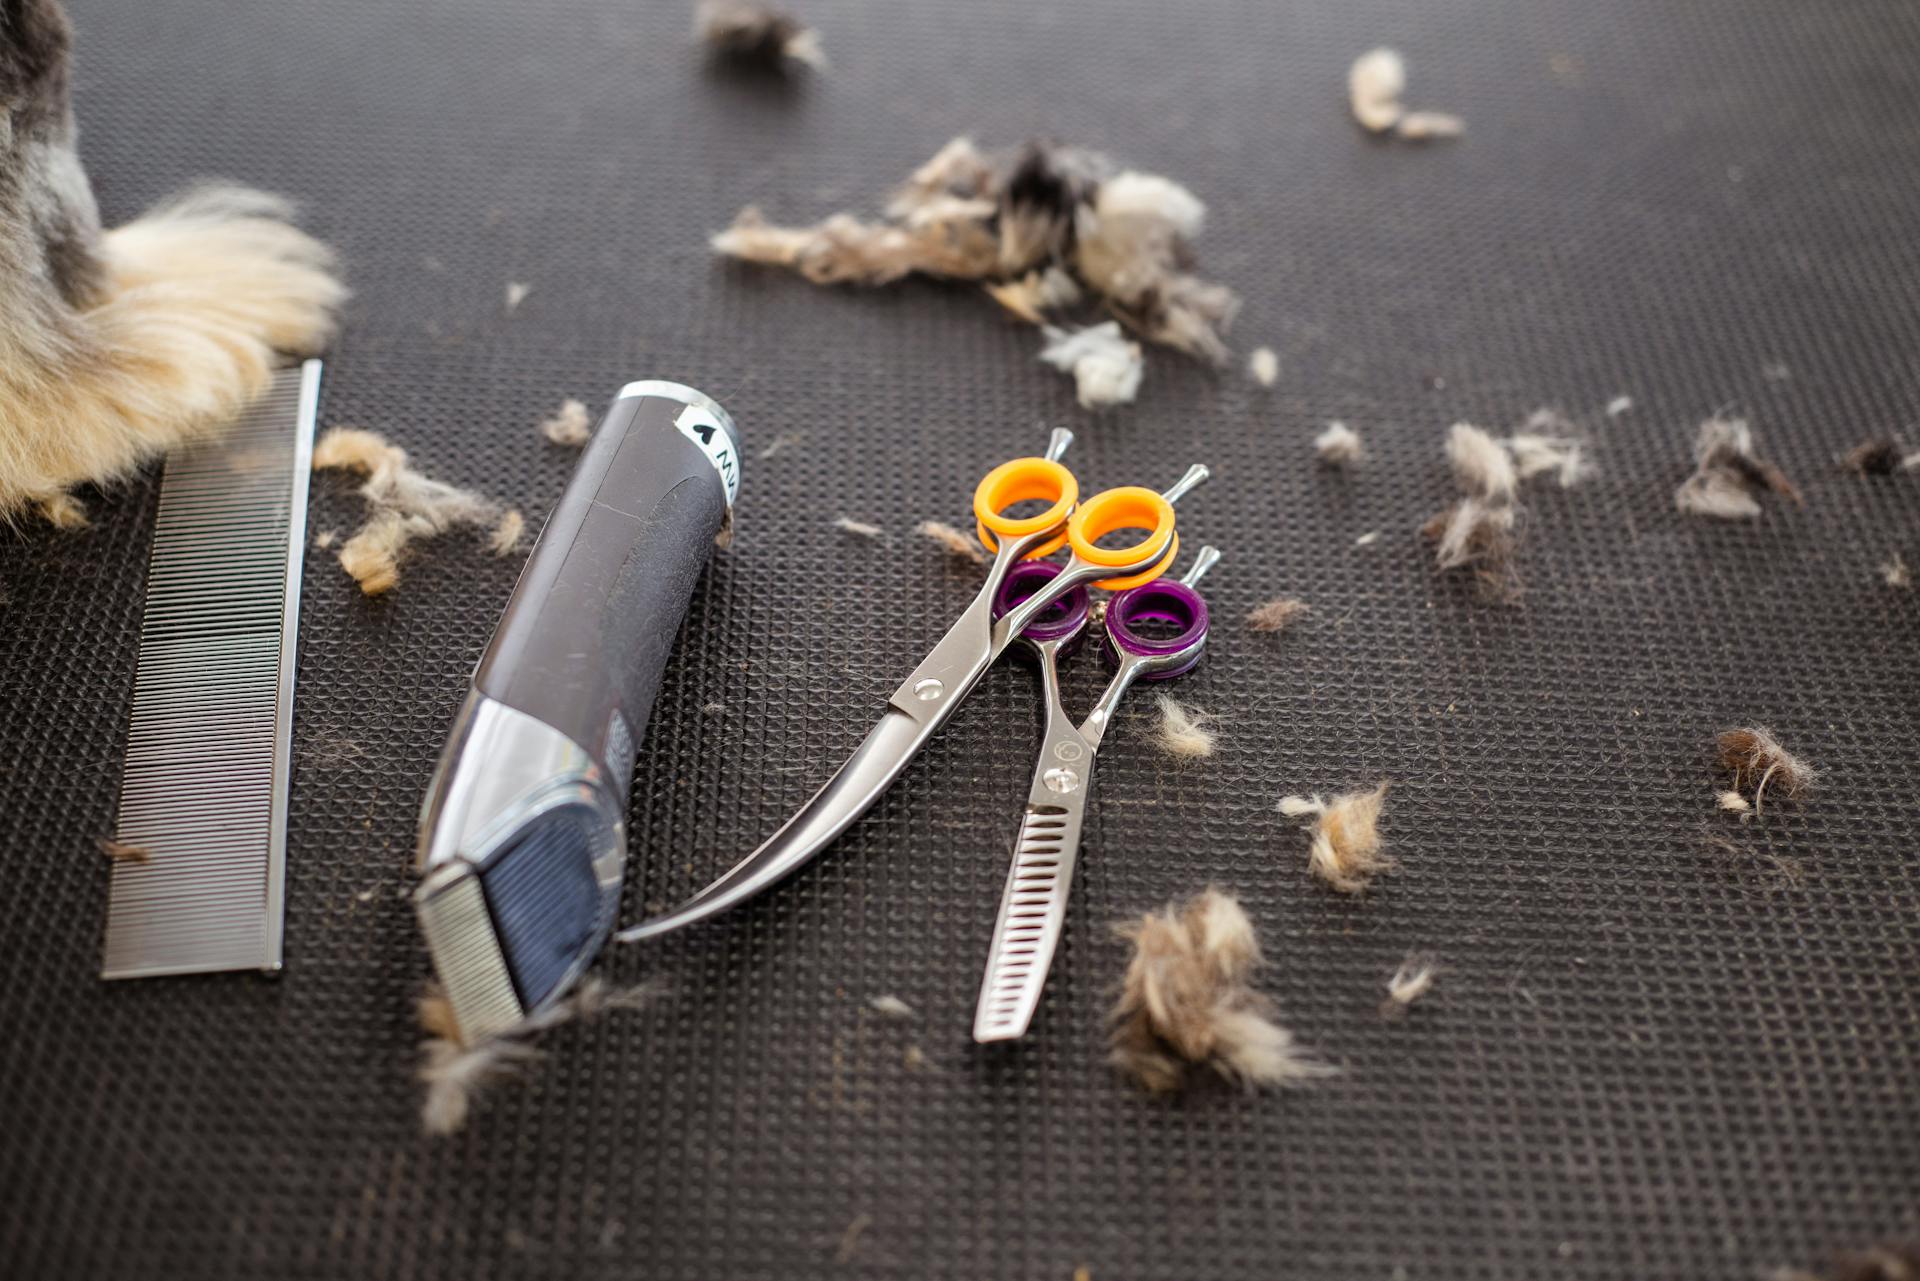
(205, 787)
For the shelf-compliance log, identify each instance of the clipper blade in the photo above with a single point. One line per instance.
(466, 955)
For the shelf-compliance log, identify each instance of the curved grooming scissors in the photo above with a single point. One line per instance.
(927, 699)
(1034, 905)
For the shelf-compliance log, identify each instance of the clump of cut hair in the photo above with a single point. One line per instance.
(757, 34)
(403, 506)
(1756, 759)
(1619, 405)
(1880, 456)
(957, 544)
(455, 1070)
(1047, 230)
(858, 528)
(1547, 443)
(569, 426)
(1182, 730)
(891, 1006)
(1413, 980)
(1894, 573)
(506, 536)
(1263, 366)
(1375, 84)
(1187, 999)
(123, 851)
(1037, 295)
(118, 345)
(1345, 848)
(1728, 476)
(1106, 368)
(1480, 531)
(1477, 532)
(1339, 446)
(1277, 615)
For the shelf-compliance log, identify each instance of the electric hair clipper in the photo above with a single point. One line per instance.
(523, 839)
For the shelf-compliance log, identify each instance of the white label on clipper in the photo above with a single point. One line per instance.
(704, 430)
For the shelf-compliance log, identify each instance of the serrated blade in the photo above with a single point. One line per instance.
(204, 792)
(1033, 911)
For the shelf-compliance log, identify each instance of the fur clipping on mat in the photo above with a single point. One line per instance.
(957, 544)
(1277, 615)
(403, 506)
(1728, 476)
(1345, 847)
(1375, 84)
(569, 426)
(455, 1070)
(122, 851)
(1339, 446)
(1106, 368)
(1547, 443)
(1413, 980)
(1879, 456)
(1756, 759)
(1479, 532)
(118, 345)
(1182, 730)
(1040, 229)
(757, 34)
(1186, 1000)
(1034, 296)
(1263, 366)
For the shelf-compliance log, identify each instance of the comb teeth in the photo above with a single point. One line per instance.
(1031, 912)
(205, 787)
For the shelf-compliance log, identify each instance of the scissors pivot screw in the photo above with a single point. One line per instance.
(928, 690)
(1061, 779)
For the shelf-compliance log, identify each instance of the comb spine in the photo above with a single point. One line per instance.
(276, 890)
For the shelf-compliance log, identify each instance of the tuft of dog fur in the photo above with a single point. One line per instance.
(1182, 731)
(1037, 228)
(1477, 532)
(455, 1070)
(569, 426)
(118, 345)
(1277, 615)
(1345, 849)
(1756, 759)
(1187, 999)
(403, 505)
(1375, 84)
(1339, 446)
(1728, 476)
(1106, 368)
(757, 34)
(956, 543)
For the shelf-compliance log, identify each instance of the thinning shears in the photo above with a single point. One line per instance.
(927, 699)
(1155, 632)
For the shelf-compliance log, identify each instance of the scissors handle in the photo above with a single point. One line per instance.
(1137, 654)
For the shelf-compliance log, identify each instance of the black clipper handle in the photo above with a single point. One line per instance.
(587, 633)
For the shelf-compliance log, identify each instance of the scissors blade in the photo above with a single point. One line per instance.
(1033, 907)
(923, 703)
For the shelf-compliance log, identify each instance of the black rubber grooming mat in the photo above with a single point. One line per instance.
(1648, 1057)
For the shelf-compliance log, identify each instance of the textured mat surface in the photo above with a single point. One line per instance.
(1650, 1055)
